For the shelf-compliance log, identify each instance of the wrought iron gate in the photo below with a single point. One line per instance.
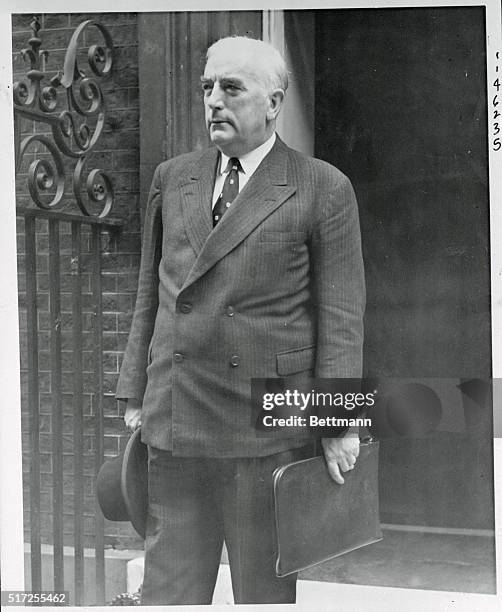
(66, 115)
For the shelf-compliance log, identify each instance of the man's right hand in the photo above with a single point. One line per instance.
(132, 416)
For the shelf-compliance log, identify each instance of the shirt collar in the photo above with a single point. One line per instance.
(250, 161)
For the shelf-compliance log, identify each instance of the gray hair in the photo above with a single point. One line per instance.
(276, 71)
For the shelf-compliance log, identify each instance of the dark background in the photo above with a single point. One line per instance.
(400, 107)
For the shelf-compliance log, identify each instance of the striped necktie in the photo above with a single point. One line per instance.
(230, 189)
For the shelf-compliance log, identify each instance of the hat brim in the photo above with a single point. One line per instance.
(134, 482)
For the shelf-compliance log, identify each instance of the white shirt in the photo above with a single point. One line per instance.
(249, 162)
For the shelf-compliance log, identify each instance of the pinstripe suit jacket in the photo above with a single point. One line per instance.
(275, 290)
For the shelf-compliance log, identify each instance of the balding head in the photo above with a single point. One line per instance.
(269, 64)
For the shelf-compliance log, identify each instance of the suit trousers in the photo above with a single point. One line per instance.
(196, 504)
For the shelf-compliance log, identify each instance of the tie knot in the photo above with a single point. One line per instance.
(233, 164)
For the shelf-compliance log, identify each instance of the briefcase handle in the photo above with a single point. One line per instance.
(318, 450)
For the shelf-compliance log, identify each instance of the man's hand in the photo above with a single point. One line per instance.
(132, 416)
(341, 454)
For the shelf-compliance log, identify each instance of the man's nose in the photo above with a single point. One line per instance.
(215, 99)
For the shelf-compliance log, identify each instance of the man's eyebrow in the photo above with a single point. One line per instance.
(224, 80)
(231, 81)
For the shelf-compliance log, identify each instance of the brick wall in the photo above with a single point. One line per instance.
(117, 152)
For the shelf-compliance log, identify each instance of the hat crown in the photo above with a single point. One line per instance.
(122, 485)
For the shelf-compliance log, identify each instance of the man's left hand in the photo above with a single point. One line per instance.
(341, 454)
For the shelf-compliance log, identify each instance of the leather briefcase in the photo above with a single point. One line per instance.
(316, 518)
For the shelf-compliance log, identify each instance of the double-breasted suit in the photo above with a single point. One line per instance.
(276, 289)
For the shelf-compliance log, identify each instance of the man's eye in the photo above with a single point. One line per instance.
(207, 87)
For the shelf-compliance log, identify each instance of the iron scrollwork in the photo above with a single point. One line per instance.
(76, 128)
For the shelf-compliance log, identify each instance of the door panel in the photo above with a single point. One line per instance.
(172, 49)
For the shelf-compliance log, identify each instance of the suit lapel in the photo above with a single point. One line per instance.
(266, 190)
(196, 194)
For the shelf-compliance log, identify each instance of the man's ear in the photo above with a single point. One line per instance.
(275, 100)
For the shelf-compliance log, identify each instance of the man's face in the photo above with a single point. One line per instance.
(237, 107)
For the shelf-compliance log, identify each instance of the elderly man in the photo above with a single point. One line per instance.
(251, 268)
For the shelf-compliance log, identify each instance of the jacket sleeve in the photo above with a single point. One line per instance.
(132, 379)
(338, 281)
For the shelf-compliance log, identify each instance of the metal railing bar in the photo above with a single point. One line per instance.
(69, 217)
(98, 405)
(78, 417)
(33, 402)
(56, 398)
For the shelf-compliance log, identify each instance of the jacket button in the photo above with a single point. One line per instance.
(178, 357)
(186, 307)
(235, 361)
(230, 311)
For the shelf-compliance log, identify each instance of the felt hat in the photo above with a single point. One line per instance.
(122, 485)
